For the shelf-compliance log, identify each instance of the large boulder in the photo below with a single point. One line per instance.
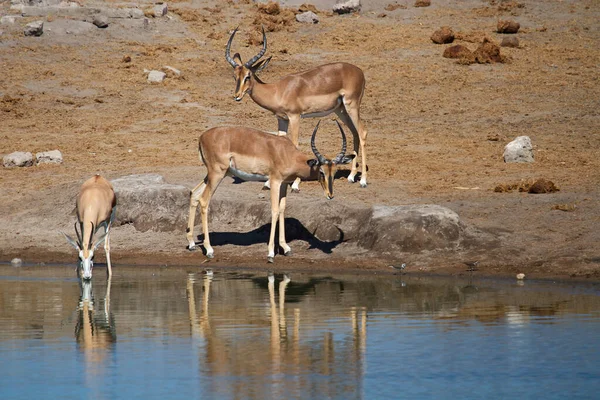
(519, 150)
(149, 203)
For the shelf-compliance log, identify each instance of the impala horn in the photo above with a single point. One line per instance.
(91, 237)
(320, 158)
(228, 50)
(257, 57)
(79, 237)
(340, 156)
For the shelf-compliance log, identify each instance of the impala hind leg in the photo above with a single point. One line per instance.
(214, 178)
(351, 117)
(294, 128)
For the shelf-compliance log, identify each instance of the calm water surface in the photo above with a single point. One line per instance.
(178, 333)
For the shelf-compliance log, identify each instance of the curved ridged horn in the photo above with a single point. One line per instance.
(78, 234)
(228, 50)
(91, 236)
(257, 57)
(340, 156)
(320, 158)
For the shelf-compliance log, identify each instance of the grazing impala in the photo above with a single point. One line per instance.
(250, 154)
(336, 87)
(96, 206)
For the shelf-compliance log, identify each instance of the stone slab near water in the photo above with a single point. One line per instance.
(149, 203)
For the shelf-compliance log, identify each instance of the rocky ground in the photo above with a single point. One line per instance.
(437, 126)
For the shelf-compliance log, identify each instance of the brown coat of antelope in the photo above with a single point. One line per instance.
(250, 154)
(336, 87)
(96, 206)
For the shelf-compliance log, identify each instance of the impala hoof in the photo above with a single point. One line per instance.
(211, 256)
(350, 179)
(288, 253)
(363, 185)
(192, 248)
(295, 190)
(270, 260)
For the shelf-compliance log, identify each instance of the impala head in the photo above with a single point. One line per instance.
(327, 167)
(86, 253)
(244, 73)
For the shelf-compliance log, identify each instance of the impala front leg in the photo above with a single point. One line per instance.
(294, 127)
(275, 197)
(107, 251)
(194, 201)
(287, 251)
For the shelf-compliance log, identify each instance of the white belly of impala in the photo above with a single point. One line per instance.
(246, 176)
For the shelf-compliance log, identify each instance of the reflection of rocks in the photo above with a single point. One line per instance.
(151, 204)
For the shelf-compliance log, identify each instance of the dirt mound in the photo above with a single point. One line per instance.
(443, 35)
(508, 27)
(541, 185)
(273, 17)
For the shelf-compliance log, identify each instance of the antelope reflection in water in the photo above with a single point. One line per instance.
(242, 351)
(95, 332)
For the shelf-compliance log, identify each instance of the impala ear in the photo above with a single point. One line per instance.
(347, 159)
(99, 240)
(72, 241)
(259, 66)
(312, 163)
(237, 58)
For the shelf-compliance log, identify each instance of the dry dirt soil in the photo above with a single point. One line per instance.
(437, 128)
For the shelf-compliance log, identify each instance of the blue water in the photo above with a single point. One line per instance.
(180, 334)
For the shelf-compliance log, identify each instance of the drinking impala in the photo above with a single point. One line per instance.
(96, 206)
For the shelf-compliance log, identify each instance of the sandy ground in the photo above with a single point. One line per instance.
(437, 129)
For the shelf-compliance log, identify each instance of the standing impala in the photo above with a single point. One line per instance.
(96, 206)
(250, 154)
(336, 87)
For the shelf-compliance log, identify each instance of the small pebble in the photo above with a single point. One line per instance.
(520, 276)
(16, 262)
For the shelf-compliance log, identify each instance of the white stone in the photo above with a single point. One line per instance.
(49, 157)
(18, 159)
(346, 6)
(16, 262)
(100, 20)
(9, 19)
(160, 10)
(307, 17)
(35, 28)
(519, 150)
(156, 76)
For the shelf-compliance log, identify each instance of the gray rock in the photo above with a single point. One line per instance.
(35, 28)
(49, 157)
(149, 203)
(18, 159)
(346, 6)
(156, 76)
(307, 17)
(160, 10)
(9, 19)
(519, 150)
(412, 228)
(510, 41)
(100, 20)
(16, 262)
